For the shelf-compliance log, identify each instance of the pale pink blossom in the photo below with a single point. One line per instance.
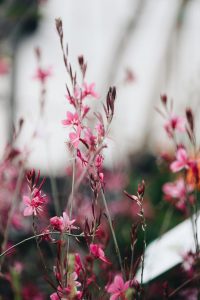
(89, 138)
(98, 252)
(85, 110)
(4, 66)
(62, 223)
(175, 189)
(81, 157)
(72, 280)
(181, 162)
(34, 204)
(72, 119)
(42, 74)
(75, 137)
(174, 123)
(88, 90)
(100, 130)
(118, 288)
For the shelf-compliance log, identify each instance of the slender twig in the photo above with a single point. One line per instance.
(144, 243)
(183, 285)
(113, 233)
(11, 211)
(36, 236)
(132, 258)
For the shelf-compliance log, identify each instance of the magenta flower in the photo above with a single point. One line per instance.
(62, 223)
(174, 123)
(118, 288)
(175, 189)
(181, 162)
(75, 137)
(34, 204)
(72, 119)
(88, 90)
(98, 252)
(42, 74)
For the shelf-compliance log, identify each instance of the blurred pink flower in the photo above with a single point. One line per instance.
(175, 189)
(181, 162)
(4, 66)
(75, 137)
(42, 74)
(174, 123)
(118, 288)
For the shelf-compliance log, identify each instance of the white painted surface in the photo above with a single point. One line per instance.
(168, 251)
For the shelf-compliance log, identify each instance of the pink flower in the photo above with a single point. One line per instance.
(72, 119)
(174, 123)
(175, 189)
(89, 138)
(75, 137)
(118, 288)
(80, 156)
(42, 74)
(78, 264)
(62, 223)
(98, 252)
(181, 162)
(34, 204)
(85, 110)
(100, 130)
(4, 66)
(88, 90)
(60, 294)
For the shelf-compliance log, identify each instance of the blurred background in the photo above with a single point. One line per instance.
(144, 47)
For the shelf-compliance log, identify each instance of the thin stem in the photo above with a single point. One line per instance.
(183, 285)
(144, 243)
(81, 177)
(10, 214)
(71, 203)
(113, 233)
(36, 236)
(132, 257)
(38, 246)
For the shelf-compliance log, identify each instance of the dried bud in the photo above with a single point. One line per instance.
(82, 65)
(110, 100)
(30, 177)
(190, 118)
(59, 28)
(38, 53)
(163, 99)
(141, 188)
(81, 60)
(21, 122)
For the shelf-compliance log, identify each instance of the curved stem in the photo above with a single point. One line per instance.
(38, 235)
(113, 234)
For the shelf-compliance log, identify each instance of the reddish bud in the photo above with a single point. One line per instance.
(190, 118)
(163, 99)
(141, 188)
